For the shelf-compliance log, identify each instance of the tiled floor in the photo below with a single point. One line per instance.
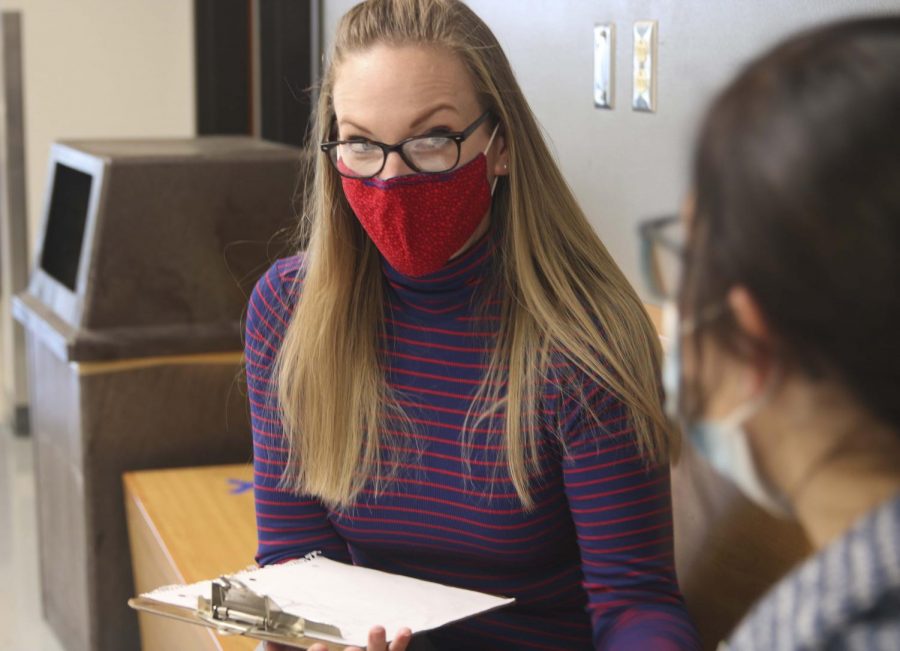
(22, 627)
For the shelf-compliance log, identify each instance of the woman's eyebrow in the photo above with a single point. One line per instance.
(349, 123)
(344, 122)
(430, 112)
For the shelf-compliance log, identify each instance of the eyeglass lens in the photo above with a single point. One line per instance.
(423, 154)
(663, 259)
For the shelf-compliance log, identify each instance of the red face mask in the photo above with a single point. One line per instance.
(418, 221)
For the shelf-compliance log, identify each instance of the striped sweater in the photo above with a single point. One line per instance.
(590, 566)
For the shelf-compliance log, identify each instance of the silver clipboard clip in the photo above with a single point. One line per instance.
(235, 609)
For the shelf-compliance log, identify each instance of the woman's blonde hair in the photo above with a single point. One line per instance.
(561, 291)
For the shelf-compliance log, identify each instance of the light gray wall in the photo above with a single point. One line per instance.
(102, 69)
(625, 165)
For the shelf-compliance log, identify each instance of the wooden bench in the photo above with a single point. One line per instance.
(187, 525)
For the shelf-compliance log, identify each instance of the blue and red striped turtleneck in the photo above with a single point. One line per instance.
(591, 565)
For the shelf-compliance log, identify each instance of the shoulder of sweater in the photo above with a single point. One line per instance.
(276, 292)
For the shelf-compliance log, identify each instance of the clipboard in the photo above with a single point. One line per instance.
(350, 600)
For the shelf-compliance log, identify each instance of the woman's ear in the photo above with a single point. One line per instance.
(748, 314)
(501, 162)
(752, 323)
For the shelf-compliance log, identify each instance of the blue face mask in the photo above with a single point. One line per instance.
(722, 442)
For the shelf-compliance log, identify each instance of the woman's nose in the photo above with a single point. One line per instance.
(394, 165)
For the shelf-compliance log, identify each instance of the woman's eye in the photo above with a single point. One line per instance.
(431, 143)
(361, 147)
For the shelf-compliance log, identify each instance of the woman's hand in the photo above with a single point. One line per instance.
(377, 642)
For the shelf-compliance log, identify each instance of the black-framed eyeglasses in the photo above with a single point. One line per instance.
(430, 153)
(662, 254)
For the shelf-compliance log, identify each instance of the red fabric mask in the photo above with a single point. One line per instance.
(418, 221)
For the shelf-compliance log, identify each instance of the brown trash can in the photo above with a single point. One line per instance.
(133, 319)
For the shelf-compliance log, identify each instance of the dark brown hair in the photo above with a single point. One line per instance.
(797, 182)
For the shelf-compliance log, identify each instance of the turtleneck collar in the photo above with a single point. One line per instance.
(449, 289)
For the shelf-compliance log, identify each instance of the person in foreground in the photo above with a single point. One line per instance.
(454, 381)
(784, 364)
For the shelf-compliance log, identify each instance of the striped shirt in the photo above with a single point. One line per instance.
(590, 566)
(845, 597)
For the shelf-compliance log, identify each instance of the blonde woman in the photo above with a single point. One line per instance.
(454, 381)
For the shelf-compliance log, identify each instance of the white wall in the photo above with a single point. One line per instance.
(621, 164)
(102, 69)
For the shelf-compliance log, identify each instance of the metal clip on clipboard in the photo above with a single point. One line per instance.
(235, 609)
